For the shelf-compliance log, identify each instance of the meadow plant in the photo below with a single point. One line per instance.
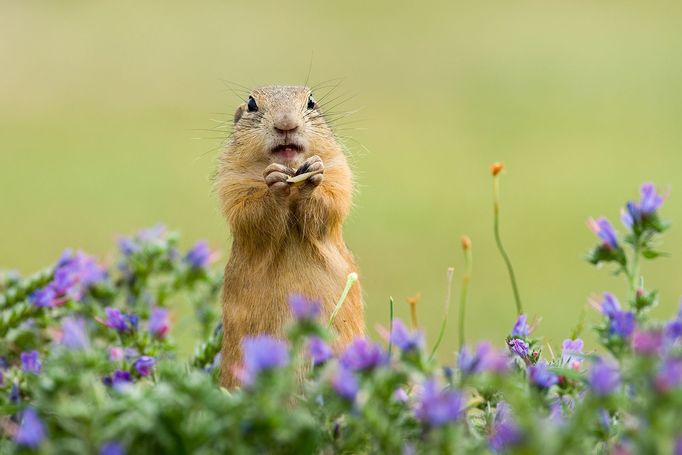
(89, 364)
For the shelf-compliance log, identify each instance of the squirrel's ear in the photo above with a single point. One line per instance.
(238, 113)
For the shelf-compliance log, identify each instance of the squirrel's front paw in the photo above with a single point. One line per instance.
(312, 164)
(276, 176)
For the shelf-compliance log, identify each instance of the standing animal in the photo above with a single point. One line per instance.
(287, 237)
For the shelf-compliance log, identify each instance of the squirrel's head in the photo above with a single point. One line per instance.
(281, 124)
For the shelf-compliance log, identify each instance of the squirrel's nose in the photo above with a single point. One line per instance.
(286, 123)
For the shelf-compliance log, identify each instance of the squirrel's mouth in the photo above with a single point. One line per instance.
(287, 151)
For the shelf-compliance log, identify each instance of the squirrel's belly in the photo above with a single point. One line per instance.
(256, 292)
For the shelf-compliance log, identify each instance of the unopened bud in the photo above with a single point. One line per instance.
(496, 168)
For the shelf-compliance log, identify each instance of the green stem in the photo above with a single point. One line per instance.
(390, 324)
(352, 278)
(445, 316)
(634, 274)
(505, 256)
(463, 294)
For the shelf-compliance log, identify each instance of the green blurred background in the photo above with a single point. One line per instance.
(102, 106)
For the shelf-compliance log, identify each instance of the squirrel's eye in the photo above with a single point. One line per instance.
(311, 102)
(251, 106)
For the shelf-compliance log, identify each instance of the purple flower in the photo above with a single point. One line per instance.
(669, 375)
(115, 319)
(74, 274)
(127, 246)
(119, 379)
(303, 308)
(159, 323)
(518, 346)
(74, 335)
(362, 354)
(505, 432)
(602, 227)
(647, 342)
(560, 407)
(521, 328)
(144, 365)
(405, 340)
(673, 329)
(610, 305)
(200, 255)
(345, 384)
(119, 321)
(650, 201)
(635, 212)
(622, 324)
(436, 408)
(30, 362)
(486, 358)
(44, 297)
(541, 376)
(319, 351)
(678, 446)
(262, 353)
(112, 448)
(603, 378)
(31, 431)
(572, 352)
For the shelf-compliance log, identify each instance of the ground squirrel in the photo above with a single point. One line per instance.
(287, 237)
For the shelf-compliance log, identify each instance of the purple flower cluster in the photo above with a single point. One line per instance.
(304, 309)
(363, 355)
(159, 323)
(521, 328)
(119, 321)
(647, 342)
(621, 323)
(604, 230)
(485, 358)
(518, 347)
(673, 329)
(572, 352)
(319, 351)
(603, 378)
(505, 433)
(404, 339)
(541, 376)
(74, 275)
(345, 383)
(31, 431)
(144, 365)
(669, 374)
(438, 407)
(635, 213)
(112, 448)
(155, 235)
(30, 362)
(262, 353)
(118, 379)
(201, 256)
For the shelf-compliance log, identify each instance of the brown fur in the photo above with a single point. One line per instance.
(286, 238)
